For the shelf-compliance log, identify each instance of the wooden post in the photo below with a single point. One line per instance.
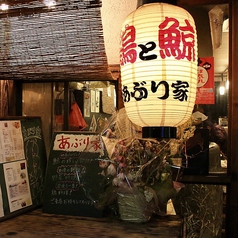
(67, 106)
(232, 188)
(18, 98)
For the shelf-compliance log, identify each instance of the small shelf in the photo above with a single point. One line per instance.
(212, 178)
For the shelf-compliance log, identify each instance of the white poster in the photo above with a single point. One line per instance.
(17, 184)
(93, 102)
(97, 101)
(11, 141)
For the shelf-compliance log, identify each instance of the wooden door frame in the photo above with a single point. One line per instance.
(232, 167)
(232, 188)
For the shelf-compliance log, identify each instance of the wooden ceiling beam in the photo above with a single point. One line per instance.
(24, 13)
(16, 2)
(200, 2)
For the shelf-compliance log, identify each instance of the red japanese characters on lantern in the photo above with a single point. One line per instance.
(158, 58)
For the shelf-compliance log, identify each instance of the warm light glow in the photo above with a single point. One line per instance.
(50, 3)
(227, 84)
(4, 7)
(159, 65)
(222, 88)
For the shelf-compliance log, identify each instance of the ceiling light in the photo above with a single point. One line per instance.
(4, 7)
(222, 88)
(49, 3)
(227, 84)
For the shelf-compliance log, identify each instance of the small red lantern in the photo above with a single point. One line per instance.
(158, 58)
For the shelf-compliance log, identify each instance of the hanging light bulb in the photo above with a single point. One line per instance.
(4, 7)
(227, 81)
(158, 59)
(227, 84)
(50, 3)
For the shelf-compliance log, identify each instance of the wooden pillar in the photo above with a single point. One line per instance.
(67, 106)
(18, 98)
(232, 188)
(120, 103)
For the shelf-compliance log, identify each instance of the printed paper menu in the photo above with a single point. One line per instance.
(11, 141)
(17, 184)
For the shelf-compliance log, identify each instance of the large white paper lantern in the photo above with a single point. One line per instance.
(158, 58)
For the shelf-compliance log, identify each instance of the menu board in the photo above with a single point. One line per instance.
(22, 165)
(17, 185)
(11, 141)
(73, 175)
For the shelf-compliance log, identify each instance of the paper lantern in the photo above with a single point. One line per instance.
(158, 59)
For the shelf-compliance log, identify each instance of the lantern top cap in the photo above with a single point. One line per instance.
(159, 132)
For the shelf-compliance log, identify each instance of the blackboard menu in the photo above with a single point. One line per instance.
(73, 175)
(22, 165)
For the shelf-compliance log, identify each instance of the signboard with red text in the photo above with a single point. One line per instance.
(73, 174)
(205, 86)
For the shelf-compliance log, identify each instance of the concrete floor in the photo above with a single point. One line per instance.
(36, 224)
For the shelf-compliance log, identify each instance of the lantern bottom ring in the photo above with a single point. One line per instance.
(159, 132)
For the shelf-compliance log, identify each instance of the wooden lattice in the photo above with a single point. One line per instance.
(63, 43)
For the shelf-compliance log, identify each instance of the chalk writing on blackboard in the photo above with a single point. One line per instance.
(32, 136)
(36, 175)
(73, 175)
